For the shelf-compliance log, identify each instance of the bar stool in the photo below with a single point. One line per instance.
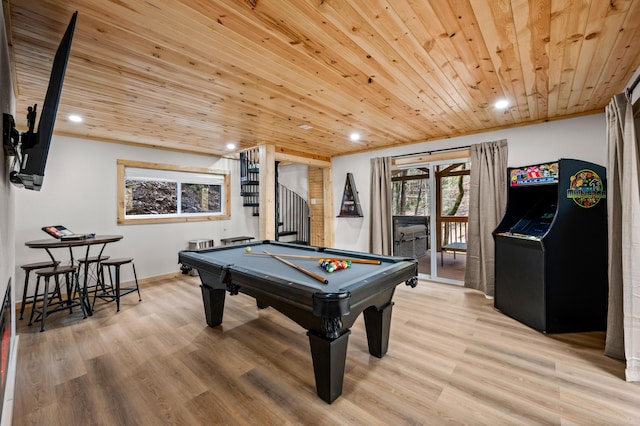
(91, 267)
(116, 292)
(27, 270)
(69, 273)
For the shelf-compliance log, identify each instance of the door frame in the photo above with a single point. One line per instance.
(430, 161)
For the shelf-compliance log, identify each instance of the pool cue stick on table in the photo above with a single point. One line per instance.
(301, 256)
(299, 268)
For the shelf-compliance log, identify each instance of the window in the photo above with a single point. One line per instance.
(410, 192)
(152, 193)
(454, 193)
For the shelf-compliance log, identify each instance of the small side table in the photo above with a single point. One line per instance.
(234, 240)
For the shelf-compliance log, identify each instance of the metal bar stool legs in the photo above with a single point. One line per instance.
(48, 306)
(116, 292)
(89, 273)
(27, 270)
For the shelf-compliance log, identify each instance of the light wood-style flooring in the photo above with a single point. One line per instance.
(452, 359)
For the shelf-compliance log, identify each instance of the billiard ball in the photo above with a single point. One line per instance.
(248, 249)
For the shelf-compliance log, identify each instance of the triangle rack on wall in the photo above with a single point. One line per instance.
(350, 204)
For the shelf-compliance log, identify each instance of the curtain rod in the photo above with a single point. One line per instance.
(633, 86)
(458, 148)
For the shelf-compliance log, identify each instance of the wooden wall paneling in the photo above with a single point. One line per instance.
(412, 55)
(356, 69)
(328, 206)
(447, 43)
(252, 92)
(360, 64)
(487, 28)
(267, 177)
(496, 23)
(538, 31)
(341, 60)
(191, 76)
(366, 28)
(311, 75)
(567, 15)
(377, 69)
(120, 191)
(619, 70)
(302, 158)
(609, 20)
(521, 17)
(316, 205)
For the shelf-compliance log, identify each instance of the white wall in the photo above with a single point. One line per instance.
(582, 138)
(79, 192)
(295, 177)
(7, 252)
(7, 104)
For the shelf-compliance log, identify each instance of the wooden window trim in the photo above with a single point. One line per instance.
(123, 220)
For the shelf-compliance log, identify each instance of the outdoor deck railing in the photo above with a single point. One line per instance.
(454, 229)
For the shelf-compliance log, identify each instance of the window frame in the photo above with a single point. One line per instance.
(123, 219)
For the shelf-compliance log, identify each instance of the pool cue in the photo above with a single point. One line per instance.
(320, 278)
(301, 256)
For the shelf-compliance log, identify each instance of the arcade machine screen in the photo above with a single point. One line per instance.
(537, 221)
(533, 201)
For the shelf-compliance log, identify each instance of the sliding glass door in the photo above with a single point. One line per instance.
(430, 214)
(411, 215)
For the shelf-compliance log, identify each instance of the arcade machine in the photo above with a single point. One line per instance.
(551, 247)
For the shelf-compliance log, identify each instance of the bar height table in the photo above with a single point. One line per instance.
(98, 240)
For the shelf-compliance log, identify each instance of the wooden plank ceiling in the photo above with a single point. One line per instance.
(195, 75)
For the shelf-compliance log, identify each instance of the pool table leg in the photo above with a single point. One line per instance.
(378, 323)
(213, 299)
(329, 356)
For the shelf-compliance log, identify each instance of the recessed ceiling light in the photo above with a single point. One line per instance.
(501, 104)
(231, 146)
(354, 136)
(75, 118)
(305, 126)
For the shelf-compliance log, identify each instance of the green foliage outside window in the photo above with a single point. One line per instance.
(410, 189)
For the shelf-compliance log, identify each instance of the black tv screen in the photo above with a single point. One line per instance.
(35, 146)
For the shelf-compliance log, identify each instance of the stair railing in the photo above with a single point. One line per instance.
(293, 216)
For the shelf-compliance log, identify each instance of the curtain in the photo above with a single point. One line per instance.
(380, 238)
(623, 203)
(487, 201)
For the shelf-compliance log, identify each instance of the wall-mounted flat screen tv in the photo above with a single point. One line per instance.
(32, 147)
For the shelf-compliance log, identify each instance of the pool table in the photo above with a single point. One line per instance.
(326, 310)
